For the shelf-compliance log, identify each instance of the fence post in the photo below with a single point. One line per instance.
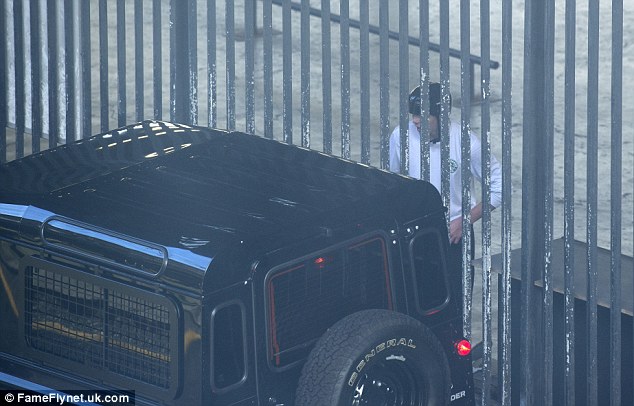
(535, 191)
(182, 62)
(3, 83)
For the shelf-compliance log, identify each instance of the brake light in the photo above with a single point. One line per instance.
(322, 262)
(463, 348)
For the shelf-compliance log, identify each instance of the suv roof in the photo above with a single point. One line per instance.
(209, 192)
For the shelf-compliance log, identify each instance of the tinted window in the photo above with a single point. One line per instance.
(429, 271)
(310, 295)
(227, 326)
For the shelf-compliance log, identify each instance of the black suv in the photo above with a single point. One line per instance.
(195, 266)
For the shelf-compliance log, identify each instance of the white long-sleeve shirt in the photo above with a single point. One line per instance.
(455, 165)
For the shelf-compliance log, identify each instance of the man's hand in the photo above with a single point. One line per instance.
(455, 230)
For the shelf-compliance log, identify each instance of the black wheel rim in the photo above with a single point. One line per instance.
(390, 383)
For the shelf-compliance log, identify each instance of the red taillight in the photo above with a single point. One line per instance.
(463, 348)
(320, 261)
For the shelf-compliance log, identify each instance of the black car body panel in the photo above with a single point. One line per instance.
(126, 256)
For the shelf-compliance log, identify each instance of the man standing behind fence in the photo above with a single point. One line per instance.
(455, 162)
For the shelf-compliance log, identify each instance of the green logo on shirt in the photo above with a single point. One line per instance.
(453, 166)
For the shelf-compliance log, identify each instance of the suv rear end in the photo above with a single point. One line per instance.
(198, 266)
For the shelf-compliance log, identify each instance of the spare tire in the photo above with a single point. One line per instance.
(378, 358)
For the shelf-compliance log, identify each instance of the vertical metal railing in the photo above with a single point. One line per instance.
(465, 165)
(569, 203)
(384, 82)
(121, 64)
(267, 17)
(157, 59)
(3, 83)
(212, 68)
(485, 127)
(287, 68)
(364, 68)
(53, 74)
(616, 171)
(36, 69)
(230, 65)
(504, 282)
(85, 71)
(423, 35)
(139, 93)
(344, 12)
(533, 174)
(444, 111)
(104, 83)
(403, 85)
(592, 202)
(305, 75)
(547, 237)
(20, 82)
(326, 74)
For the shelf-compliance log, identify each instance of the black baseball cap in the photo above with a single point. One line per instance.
(434, 100)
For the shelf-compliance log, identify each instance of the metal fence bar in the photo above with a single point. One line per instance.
(20, 82)
(192, 62)
(326, 77)
(616, 170)
(139, 96)
(384, 82)
(485, 124)
(305, 73)
(70, 18)
(465, 126)
(172, 74)
(183, 65)
(230, 65)
(287, 72)
(16, 36)
(504, 296)
(36, 77)
(53, 74)
(84, 72)
(249, 65)
(103, 65)
(267, 22)
(549, 110)
(423, 35)
(403, 66)
(212, 71)
(533, 173)
(3, 82)
(345, 77)
(364, 85)
(592, 197)
(121, 63)
(157, 57)
(569, 201)
(445, 108)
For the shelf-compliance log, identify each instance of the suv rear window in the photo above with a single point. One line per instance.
(309, 295)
